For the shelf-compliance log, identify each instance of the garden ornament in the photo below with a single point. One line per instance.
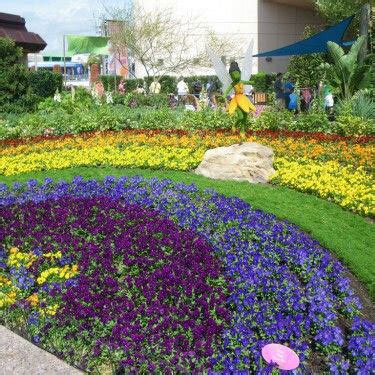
(281, 356)
(239, 104)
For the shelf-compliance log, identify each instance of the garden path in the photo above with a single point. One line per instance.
(19, 356)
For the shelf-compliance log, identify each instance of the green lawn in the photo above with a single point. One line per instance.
(350, 237)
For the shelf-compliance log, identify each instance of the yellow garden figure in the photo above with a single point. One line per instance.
(239, 104)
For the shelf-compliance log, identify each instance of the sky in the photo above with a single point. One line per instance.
(51, 19)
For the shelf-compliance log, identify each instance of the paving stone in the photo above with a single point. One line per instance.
(20, 357)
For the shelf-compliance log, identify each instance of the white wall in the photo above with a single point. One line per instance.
(280, 25)
(271, 25)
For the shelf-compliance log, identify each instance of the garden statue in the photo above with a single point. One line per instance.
(239, 103)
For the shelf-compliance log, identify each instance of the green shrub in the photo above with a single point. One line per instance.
(203, 79)
(275, 120)
(312, 122)
(167, 84)
(13, 78)
(360, 105)
(353, 125)
(110, 83)
(44, 83)
(262, 82)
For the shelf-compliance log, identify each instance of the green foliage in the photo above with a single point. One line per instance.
(353, 125)
(263, 82)
(110, 83)
(203, 80)
(361, 105)
(336, 10)
(305, 68)
(82, 114)
(44, 83)
(13, 78)
(346, 71)
(275, 120)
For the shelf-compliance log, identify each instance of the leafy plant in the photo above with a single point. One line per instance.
(44, 83)
(360, 105)
(13, 76)
(346, 69)
(305, 68)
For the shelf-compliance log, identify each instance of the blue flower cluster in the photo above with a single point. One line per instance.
(286, 288)
(21, 278)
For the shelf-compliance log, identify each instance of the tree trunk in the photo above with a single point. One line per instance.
(364, 30)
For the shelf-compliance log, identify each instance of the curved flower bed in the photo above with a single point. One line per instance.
(325, 167)
(284, 287)
(141, 292)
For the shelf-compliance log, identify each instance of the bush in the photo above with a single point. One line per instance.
(262, 82)
(353, 125)
(110, 83)
(44, 83)
(168, 83)
(275, 120)
(13, 78)
(305, 69)
(133, 100)
(360, 105)
(203, 79)
(312, 122)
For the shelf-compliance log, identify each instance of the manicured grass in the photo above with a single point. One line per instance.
(350, 237)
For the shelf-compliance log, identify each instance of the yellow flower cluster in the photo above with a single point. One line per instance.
(132, 156)
(53, 256)
(65, 272)
(33, 299)
(17, 258)
(49, 310)
(350, 187)
(8, 292)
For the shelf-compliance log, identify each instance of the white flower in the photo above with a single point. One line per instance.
(108, 97)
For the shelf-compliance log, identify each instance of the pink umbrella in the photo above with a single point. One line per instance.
(284, 357)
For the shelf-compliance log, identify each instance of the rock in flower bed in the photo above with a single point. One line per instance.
(283, 286)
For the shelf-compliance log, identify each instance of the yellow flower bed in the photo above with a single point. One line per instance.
(291, 147)
(131, 156)
(334, 170)
(350, 187)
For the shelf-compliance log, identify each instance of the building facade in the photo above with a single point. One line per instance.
(270, 23)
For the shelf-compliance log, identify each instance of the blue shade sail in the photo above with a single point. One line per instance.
(314, 44)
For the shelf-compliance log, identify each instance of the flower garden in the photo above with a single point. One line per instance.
(161, 276)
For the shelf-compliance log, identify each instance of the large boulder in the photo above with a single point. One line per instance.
(248, 161)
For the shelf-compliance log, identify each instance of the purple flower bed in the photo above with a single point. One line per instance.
(148, 295)
(285, 287)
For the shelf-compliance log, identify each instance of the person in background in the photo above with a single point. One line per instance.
(155, 87)
(328, 101)
(182, 90)
(293, 101)
(288, 87)
(197, 89)
(211, 91)
(279, 91)
(121, 87)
